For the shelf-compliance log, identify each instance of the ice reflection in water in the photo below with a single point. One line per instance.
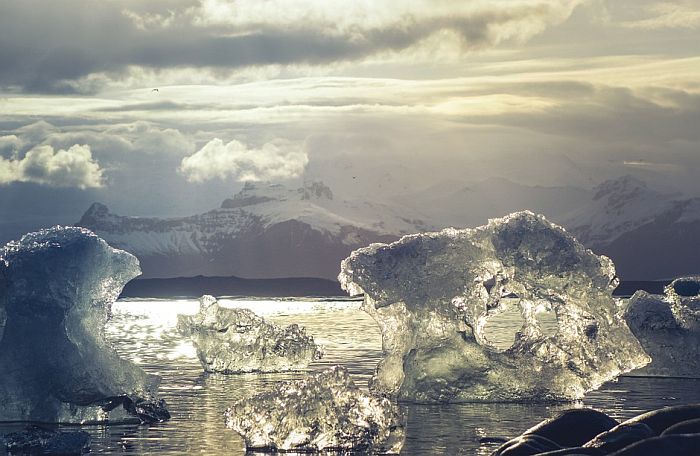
(144, 331)
(500, 329)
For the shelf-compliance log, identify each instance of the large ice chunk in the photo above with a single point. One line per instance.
(56, 365)
(231, 340)
(433, 295)
(668, 328)
(325, 411)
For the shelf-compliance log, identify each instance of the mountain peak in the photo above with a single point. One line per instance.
(95, 212)
(254, 193)
(315, 190)
(624, 187)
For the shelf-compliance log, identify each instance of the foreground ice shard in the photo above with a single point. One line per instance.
(324, 412)
(234, 341)
(668, 328)
(433, 295)
(55, 363)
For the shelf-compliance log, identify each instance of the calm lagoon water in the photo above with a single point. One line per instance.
(144, 331)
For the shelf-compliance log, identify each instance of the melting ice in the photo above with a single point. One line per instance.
(433, 295)
(58, 286)
(323, 412)
(235, 340)
(668, 328)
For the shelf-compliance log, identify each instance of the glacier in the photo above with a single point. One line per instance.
(323, 412)
(433, 294)
(668, 327)
(231, 340)
(58, 287)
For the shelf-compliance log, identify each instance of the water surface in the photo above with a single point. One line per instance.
(144, 332)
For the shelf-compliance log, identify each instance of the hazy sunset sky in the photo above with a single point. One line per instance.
(402, 94)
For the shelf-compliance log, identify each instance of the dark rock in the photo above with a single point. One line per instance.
(669, 431)
(620, 436)
(578, 451)
(662, 419)
(684, 427)
(675, 445)
(573, 428)
(526, 445)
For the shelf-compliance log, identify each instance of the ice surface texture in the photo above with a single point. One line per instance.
(668, 328)
(325, 411)
(234, 341)
(432, 295)
(57, 289)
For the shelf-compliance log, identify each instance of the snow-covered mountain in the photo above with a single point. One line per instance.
(615, 208)
(648, 234)
(264, 231)
(272, 231)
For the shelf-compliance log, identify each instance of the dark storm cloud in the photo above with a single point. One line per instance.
(53, 46)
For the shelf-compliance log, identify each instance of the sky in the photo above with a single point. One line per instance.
(167, 107)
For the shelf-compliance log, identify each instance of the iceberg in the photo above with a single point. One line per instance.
(323, 412)
(58, 286)
(433, 295)
(232, 341)
(668, 327)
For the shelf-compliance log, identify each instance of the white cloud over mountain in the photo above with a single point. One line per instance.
(219, 160)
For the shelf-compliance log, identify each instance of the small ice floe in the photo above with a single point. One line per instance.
(233, 340)
(668, 327)
(58, 286)
(433, 296)
(324, 412)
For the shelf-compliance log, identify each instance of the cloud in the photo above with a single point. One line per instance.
(216, 160)
(44, 165)
(665, 167)
(110, 41)
(9, 144)
(615, 115)
(665, 15)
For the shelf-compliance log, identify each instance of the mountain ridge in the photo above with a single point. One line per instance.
(272, 231)
(265, 231)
